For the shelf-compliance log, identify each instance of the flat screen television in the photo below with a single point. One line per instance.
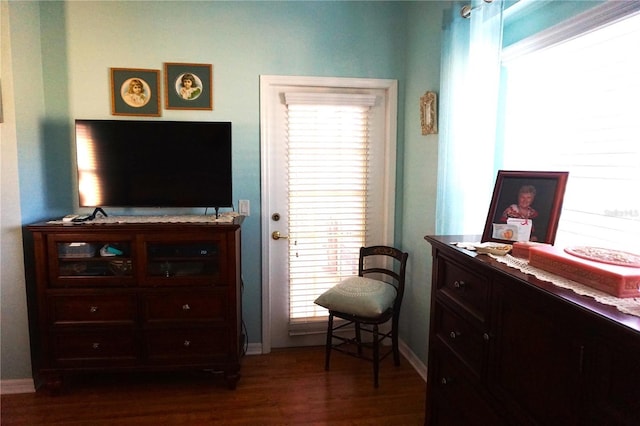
(129, 163)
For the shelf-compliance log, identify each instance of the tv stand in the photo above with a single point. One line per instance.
(125, 297)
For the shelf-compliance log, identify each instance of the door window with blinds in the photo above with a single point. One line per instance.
(574, 106)
(329, 186)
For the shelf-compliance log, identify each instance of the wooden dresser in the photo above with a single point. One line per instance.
(508, 349)
(135, 297)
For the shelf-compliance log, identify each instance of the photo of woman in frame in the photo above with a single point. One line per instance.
(530, 196)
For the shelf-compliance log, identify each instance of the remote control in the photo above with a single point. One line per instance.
(69, 217)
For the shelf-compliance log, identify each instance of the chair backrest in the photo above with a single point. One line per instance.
(389, 262)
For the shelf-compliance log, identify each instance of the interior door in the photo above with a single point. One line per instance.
(275, 214)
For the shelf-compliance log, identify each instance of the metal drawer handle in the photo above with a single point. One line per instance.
(187, 343)
(186, 307)
(93, 309)
(454, 334)
(486, 337)
(459, 284)
(95, 346)
(446, 380)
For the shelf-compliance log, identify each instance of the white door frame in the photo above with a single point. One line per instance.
(267, 84)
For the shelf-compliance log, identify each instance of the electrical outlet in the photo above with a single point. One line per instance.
(243, 207)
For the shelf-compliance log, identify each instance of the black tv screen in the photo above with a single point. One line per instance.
(127, 163)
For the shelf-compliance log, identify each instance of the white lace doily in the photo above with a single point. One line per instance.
(629, 305)
(191, 218)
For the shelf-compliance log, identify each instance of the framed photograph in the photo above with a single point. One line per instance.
(525, 206)
(135, 92)
(188, 86)
(428, 113)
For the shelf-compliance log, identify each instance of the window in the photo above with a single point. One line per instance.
(574, 106)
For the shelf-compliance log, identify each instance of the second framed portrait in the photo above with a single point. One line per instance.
(525, 206)
(188, 86)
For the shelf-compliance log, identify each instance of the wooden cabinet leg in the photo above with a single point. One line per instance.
(232, 378)
(53, 383)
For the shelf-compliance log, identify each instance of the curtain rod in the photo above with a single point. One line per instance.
(465, 11)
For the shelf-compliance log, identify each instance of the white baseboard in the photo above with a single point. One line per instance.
(254, 349)
(16, 386)
(415, 362)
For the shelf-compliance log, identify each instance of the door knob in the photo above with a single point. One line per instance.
(276, 236)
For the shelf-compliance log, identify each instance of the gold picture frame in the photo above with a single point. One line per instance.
(198, 95)
(135, 91)
(429, 113)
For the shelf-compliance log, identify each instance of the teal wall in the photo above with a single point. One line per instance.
(62, 52)
(419, 166)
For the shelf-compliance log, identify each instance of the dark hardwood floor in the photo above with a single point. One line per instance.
(286, 387)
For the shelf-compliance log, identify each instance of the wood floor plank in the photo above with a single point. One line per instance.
(285, 387)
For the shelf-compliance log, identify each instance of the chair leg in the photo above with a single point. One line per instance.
(394, 343)
(376, 356)
(327, 356)
(358, 338)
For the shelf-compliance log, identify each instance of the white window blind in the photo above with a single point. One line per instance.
(574, 107)
(328, 175)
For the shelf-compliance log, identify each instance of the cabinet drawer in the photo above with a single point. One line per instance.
(184, 306)
(187, 345)
(75, 309)
(457, 396)
(113, 346)
(461, 337)
(466, 289)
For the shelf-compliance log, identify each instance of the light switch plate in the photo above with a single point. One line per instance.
(243, 207)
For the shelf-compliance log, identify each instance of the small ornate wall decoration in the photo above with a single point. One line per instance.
(428, 113)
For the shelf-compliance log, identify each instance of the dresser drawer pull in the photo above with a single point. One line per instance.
(93, 309)
(454, 334)
(95, 346)
(446, 380)
(186, 307)
(459, 284)
(187, 343)
(486, 337)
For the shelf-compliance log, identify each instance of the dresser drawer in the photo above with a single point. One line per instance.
(187, 345)
(461, 337)
(457, 399)
(194, 305)
(463, 287)
(114, 346)
(74, 309)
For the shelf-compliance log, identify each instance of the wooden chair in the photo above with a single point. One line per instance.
(367, 301)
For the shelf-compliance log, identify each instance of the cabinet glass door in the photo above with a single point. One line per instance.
(185, 262)
(90, 262)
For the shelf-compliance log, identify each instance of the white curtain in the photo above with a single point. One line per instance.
(470, 81)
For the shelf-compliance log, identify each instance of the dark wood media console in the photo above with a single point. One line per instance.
(508, 349)
(136, 297)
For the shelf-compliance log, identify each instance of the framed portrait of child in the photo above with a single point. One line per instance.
(188, 86)
(135, 92)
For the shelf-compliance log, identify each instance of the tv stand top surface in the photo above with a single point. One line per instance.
(221, 219)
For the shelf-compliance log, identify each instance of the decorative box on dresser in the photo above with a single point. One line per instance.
(508, 349)
(135, 297)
